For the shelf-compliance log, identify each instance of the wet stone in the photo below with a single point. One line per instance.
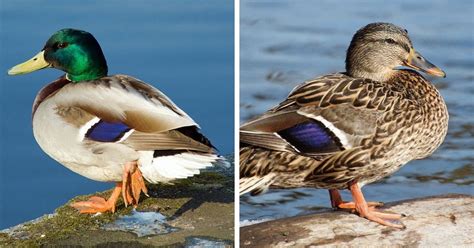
(141, 223)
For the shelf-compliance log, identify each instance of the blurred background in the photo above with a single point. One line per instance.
(183, 48)
(284, 43)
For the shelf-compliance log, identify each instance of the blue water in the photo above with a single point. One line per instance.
(284, 43)
(185, 49)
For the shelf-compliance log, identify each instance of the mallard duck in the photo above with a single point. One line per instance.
(110, 128)
(346, 130)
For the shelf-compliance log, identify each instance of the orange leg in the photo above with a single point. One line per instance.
(131, 186)
(363, 209)
(338, 203)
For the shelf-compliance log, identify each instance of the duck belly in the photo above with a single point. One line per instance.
(62, 141)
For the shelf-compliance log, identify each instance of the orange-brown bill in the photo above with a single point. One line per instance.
(418, 62)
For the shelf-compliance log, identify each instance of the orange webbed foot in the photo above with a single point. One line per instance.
(338, 203)
(364, 209)
(351, 205)
(97, 204)
(93, 205)
(133, 184)
(130, 188)
(381, 218)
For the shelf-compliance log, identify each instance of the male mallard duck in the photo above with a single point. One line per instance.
(346, 130)
(110, 128)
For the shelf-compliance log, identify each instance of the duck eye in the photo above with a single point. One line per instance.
(390, 41)
(62, 45)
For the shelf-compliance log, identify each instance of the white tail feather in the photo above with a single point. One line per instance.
(250, 184)
(183, 165)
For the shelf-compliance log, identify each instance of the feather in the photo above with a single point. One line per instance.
(175, 166)
(311, 137)
(271, 141)
(169, 140)
(104, 131)
(126, 100)
(123, 109)
(274, 122)
(48, 91)
(255, 184)
(328, 100)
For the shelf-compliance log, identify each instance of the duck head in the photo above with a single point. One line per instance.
(75, 52)
(378, 50)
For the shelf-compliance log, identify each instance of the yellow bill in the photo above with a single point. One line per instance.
(34, 64)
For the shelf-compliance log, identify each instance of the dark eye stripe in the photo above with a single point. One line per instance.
(391, 41)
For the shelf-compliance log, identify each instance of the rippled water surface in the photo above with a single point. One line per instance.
(284, 43)
(184, 48)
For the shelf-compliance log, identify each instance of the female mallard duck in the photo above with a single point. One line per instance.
(110, 128)
(345, 130)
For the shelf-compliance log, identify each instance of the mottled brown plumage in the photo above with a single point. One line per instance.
(375, 118)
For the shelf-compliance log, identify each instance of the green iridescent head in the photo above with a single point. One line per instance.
(73, 51)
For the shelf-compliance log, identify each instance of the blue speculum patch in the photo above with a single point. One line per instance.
(311, 137)
(107, 131)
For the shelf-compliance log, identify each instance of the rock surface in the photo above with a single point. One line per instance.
(440, 221)
(193, 212)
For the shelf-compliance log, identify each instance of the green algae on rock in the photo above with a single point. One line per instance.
(198, 209)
